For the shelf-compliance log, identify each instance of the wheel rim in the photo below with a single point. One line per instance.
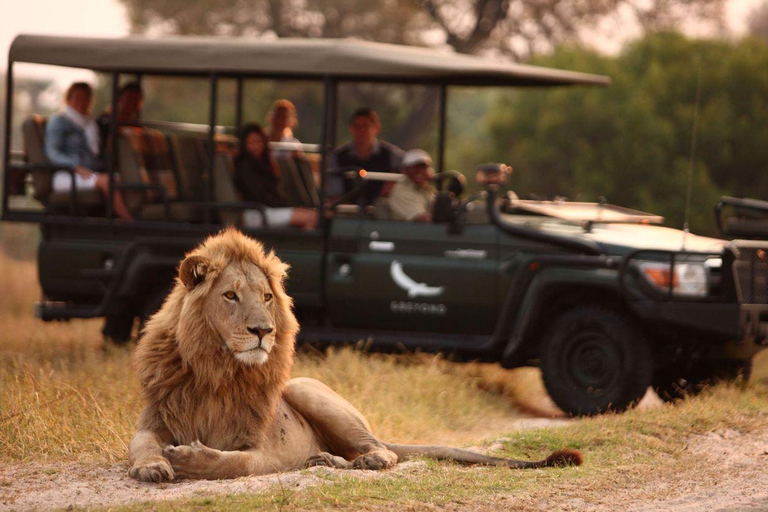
(592, 364)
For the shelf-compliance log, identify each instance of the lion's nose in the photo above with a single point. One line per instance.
(260, 331)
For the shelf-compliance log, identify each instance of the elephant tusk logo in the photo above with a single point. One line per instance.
(413, 288)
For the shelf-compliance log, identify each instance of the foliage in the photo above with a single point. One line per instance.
(522, 28)
(516, 28)
(393, 21)
(758, 21)
(631, 141)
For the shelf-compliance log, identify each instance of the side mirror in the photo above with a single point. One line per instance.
(492, 174)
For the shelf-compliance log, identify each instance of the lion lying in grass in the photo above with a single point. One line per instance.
(215, 364)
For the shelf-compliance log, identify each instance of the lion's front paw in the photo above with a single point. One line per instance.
(191, 461)
(156, 469)
(377, 459)
(328, 460)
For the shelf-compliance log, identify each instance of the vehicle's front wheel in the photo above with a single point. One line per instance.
(594, 360)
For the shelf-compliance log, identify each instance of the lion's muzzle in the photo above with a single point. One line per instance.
(260, 332)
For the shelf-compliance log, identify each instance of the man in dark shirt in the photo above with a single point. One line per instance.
(130, 101)
(364, 151)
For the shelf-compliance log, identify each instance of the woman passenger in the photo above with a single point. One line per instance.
(282, 119)
(72, 140)
(256, 180)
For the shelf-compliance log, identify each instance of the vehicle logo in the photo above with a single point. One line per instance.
(413, 288)
(467, 254)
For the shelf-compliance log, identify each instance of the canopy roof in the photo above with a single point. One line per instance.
(298, 58)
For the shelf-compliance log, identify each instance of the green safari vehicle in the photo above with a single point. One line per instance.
(605, 300)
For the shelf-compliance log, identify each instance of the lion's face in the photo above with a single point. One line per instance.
(241, 307)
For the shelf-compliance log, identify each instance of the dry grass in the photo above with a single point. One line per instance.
(65, 396)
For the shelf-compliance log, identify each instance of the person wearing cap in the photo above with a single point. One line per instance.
(364, 151)
(413, 198)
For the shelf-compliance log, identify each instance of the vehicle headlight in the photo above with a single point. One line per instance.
(688, 279)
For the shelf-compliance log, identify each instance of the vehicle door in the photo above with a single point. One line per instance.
(409, 276)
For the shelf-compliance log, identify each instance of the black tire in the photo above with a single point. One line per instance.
(152, 306)
(595, 360)
(118, 328)
(674, 382)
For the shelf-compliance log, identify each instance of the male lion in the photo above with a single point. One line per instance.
(214, 365)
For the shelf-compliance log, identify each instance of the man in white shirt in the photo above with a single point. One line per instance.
(413, 198)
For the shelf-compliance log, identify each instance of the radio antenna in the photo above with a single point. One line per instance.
(692, 159)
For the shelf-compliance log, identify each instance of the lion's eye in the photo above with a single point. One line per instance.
(231, 296)
(267, 297)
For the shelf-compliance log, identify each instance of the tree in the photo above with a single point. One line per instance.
(758, 21)
(631, 141)
(515, 28)
(522, 28)
(395, 21)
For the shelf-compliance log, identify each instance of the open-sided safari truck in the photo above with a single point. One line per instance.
(604, 299)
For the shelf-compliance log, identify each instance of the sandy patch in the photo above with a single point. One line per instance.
(736, 460)
(45, 486)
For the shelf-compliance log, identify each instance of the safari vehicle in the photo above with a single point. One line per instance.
(604, 299)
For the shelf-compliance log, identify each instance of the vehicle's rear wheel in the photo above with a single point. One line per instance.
(151, 306)
(678, 381)
(118, 328)
(595, 360)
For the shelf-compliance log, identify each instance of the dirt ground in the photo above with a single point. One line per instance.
(740, 461)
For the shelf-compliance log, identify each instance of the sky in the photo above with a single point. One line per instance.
(107, 18)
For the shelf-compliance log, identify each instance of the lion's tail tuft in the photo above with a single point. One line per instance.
(565, 457)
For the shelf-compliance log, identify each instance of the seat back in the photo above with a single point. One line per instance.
(224, 187)
(191, 163)
(130, 164)
(304, 168)
(144, 157)
(381, 209)
(158, 162)
(33, 132)
(291, 186)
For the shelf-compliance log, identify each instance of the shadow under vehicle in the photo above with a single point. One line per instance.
(604, 299)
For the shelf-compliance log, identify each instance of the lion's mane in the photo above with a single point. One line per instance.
(187, 373)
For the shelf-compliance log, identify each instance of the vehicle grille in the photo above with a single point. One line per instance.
(750, 271)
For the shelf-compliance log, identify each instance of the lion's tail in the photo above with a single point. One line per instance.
(564, 457)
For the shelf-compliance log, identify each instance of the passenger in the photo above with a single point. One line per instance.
(364, 151)
(282, 119)
(130, 101)
(414, 197)
(72, 139)
(257, 183)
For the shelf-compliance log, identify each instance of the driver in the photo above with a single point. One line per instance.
(364, 151)
(413, 198)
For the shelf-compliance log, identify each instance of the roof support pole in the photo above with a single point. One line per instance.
(328, 135)
(7, 142)
(113, 135)
(443, 101)
(214, 100)
(238, 105)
